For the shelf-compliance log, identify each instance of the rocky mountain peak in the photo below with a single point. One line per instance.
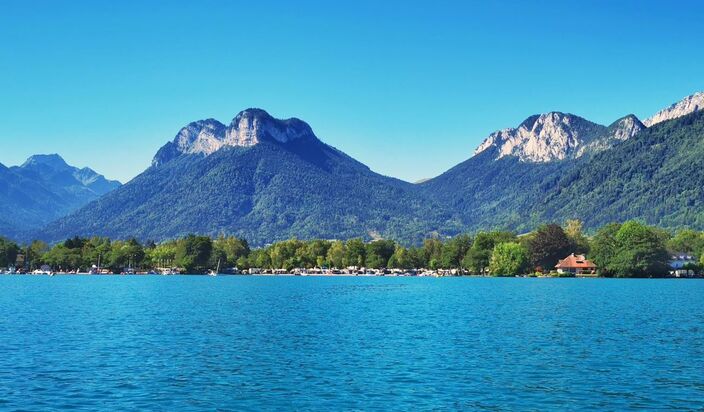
(203, 136)
(543, 138)
(618, 131)
(252, 126)
(626, 127)
(248, 128)
(54, 170)
(530, 121)
(684, 107)
(46, 160)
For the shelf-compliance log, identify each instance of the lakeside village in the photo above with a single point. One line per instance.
(631, 249)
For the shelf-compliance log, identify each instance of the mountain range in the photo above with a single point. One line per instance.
(261, 178)
(267, 179)
(656, 175)
(45, 188)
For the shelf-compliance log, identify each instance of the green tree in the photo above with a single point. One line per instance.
(508, 259)
(604, 247)
(61, 257)
(687, 241)
(641, 252)
(379, 252)
(125, 253)
(399, 259)
(75, 243)
(162, 255)
(432, 253)
(478, 256)
(287, 254)
(356, 252)
(193, 253)
(8, 252)
(229, 250)
(548, 245)
(243, 263)
(35, 251)
(454, 251)
(315, 253)
(416, 258)
(336, 254)
(573, 230)
(406, 258)
(260, 258)
(96, 251)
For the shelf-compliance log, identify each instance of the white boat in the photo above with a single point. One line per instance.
(42, 272)
(216, 271)
(95, 269)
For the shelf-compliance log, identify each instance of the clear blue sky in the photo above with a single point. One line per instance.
(409, 88)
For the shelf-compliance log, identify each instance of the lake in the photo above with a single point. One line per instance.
(312, 343)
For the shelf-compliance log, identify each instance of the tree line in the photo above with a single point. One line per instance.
(631, 249)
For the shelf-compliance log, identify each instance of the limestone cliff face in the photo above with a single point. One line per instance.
(625, 127)
(248, 128)
(254, 125)
(684, 107)
(203, 136)
(557, 136)
(620, 130)
(543, 138)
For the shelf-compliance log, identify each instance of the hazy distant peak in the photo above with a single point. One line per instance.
(51, 160)
(90, 177)
(689, 104)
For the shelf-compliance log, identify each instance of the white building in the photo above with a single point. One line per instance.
(678, 261)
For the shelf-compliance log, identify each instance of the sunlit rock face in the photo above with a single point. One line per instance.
(543, 138)
(557, 136)
(626, 127)
(622, 129)
(251, 126)
(684, 107)
(248, 128)
(203, 136)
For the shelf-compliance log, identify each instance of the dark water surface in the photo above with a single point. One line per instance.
(301, 343)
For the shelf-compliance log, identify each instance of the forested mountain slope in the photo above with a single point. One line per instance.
(273, 179)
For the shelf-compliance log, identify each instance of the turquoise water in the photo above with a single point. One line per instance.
(265, 343)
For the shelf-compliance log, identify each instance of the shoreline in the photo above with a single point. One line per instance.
(290, 275)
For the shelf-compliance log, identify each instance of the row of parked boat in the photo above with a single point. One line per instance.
(93, 271)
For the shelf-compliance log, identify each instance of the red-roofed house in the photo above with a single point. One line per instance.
(577, 265)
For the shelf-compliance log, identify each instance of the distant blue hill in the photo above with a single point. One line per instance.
(43, 189)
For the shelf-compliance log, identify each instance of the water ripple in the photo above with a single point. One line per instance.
(264, 343)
